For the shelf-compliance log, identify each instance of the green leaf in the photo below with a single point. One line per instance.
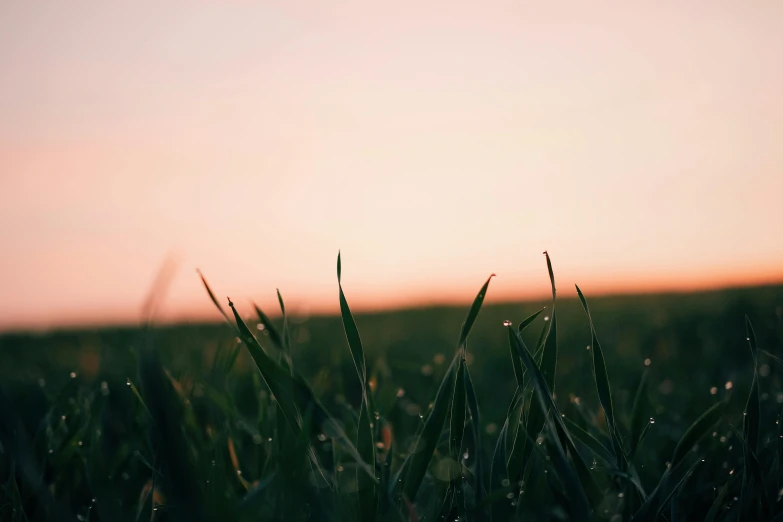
(547, 404)
(473, 313)
(638, 417)
(270, 328)
(696, 431)
(524, 324)
(751, 420)
(602, 385)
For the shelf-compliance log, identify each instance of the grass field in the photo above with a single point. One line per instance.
(669, 409)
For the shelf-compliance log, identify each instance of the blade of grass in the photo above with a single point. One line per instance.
(365, 443)
(638, 418)
(593, 444)
(475, 417)
(588, 485)
(602, 385)
(212, 296)
(752, 418)
(286, 334)
(524, 324)
(415, 466)
(696, 431)
(717, 504)
(270, 328)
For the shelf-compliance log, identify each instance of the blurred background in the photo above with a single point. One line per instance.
(433, 143)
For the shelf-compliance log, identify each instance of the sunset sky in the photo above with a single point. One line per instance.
(433, 143)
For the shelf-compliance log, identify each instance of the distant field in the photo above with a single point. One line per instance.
(693, 346)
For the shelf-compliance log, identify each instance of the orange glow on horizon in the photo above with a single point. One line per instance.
(433, 143)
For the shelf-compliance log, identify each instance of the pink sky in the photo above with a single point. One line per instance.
(432, 142)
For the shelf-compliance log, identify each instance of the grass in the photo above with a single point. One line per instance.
(262, 419)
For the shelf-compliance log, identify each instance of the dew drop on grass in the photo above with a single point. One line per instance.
(506, 323)
(546, 318)
(400, 392)
(321, 437)
(587, 347)
(340, 468)
(510, 495)
(260, 326)
(465, 455)
(426, 369)
(73, 375)
(379, 445)
(652, 421)
(713, 390)
(505, 482)
(729, 385)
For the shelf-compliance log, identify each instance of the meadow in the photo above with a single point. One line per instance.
(649, 407)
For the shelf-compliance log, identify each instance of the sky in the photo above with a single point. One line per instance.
(432, 143)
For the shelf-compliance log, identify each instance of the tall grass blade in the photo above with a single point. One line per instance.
(473, 313)
(638, 418)
(588, 485)
(415, 466)
(529, 320)
(602, 384)
(365, 441)
(212, 296)
(286, 334)
(696, 431)
(270, 328)
(475, 417)
(752, 418)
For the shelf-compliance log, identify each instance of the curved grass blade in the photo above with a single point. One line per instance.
(475, 417)
(587, 483)
(602, 385)
(638, 418)
(524, 324)
(365, 443)
(286, 335)
(593, 444)
(212, 296)
(497, 474)
(416, 464)
(696, 431)
(716, 505)
(473, 313)
(752, 418)
(277, 380)
(457, 425)
(270, 327)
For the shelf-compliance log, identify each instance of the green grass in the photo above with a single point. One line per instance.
(520, 413)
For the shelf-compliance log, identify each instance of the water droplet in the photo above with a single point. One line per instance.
(260, 326)
(506, 323)
(426, 369)
(587, 347)
(713, 390)
(439, 358)
(465, 455)
(400, 392)
(722, 438)
(340, 468)
(540, 440)
(731, 473)
(379, 445)
(62, 418)
(729, 385)
(510, 495)
(51, 451)
(505, 482)
(652, 421)
(647, 362)
(269, 439)
(239, 472)
(620, 495)
(73, 375)
(321, 437)
(80, 443)
(546, 318)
